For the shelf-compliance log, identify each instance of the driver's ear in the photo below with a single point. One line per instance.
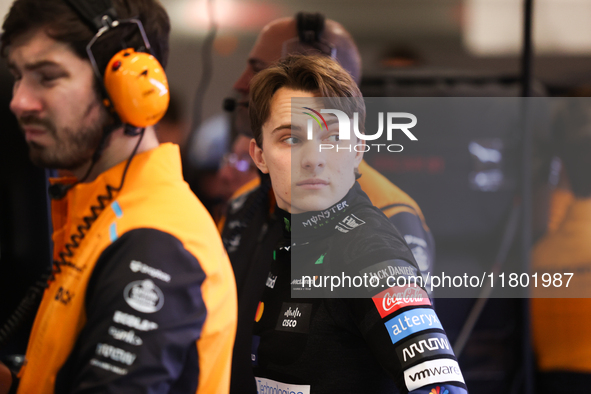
(258, 156)
(359, 153)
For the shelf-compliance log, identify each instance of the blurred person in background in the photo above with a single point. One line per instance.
(560, 325)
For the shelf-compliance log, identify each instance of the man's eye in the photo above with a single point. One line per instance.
(334, 138)
(49, 78)
(291, 140)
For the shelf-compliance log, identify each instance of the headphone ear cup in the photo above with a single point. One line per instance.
(137, 87)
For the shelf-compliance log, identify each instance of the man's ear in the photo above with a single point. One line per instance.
(258, 157)
(359, 155)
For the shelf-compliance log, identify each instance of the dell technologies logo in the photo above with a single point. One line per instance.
(345, 129)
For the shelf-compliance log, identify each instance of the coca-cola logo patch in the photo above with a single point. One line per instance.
(394, 298)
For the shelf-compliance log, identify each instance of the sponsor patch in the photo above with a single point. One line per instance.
(115, 354)
(108, 367)
(390, 268)
(394, 298)
(271, 280)
(294, 317)
(434, 371)
(133, 321)
(125, 336)
(268, 386)
(144, 296)
(298, 282)
(323, 216)
(349, 223)
(409, 322)
(138, 266)
(445, 389)
(254, 351)
(423, 346)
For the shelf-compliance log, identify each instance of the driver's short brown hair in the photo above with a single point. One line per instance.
(319, 75)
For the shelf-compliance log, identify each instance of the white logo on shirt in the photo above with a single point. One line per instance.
(144, 296)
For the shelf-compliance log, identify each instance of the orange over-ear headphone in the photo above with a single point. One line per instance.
(135, 84)
(137, 87)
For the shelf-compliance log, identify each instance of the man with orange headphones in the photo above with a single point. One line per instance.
(141, 296)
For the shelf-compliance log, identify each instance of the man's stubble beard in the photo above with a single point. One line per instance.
(73, 147)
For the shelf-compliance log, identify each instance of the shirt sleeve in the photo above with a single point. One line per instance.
(144, 314)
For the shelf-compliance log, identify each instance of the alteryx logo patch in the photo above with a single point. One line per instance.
(409, 322)
(434, 371)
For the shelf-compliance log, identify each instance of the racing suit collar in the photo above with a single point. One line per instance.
(165, 159)
(320, 224)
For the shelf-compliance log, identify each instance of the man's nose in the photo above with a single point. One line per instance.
(312, 157)
(242, 84)
(24, 100)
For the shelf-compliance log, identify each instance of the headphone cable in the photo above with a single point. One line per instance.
(34, 294)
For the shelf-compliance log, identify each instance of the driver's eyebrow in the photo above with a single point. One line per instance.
(34, 66)
(285, 126)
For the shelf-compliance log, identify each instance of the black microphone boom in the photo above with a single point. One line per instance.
(229, 104)
(59, 190)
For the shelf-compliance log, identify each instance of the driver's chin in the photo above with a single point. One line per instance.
(311, 203)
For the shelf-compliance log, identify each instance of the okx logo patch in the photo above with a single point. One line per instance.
(294, 317)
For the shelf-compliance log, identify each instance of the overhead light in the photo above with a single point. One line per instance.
(495, 27)
(193, 15)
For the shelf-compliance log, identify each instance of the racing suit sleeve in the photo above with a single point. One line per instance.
(405, 334)
(418, 237)
(145, 312)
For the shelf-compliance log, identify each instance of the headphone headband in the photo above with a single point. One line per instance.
(134, 83)
(93, 12)
(310, 26)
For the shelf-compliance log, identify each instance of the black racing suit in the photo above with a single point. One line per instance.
(251, 231)
(347, 345)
